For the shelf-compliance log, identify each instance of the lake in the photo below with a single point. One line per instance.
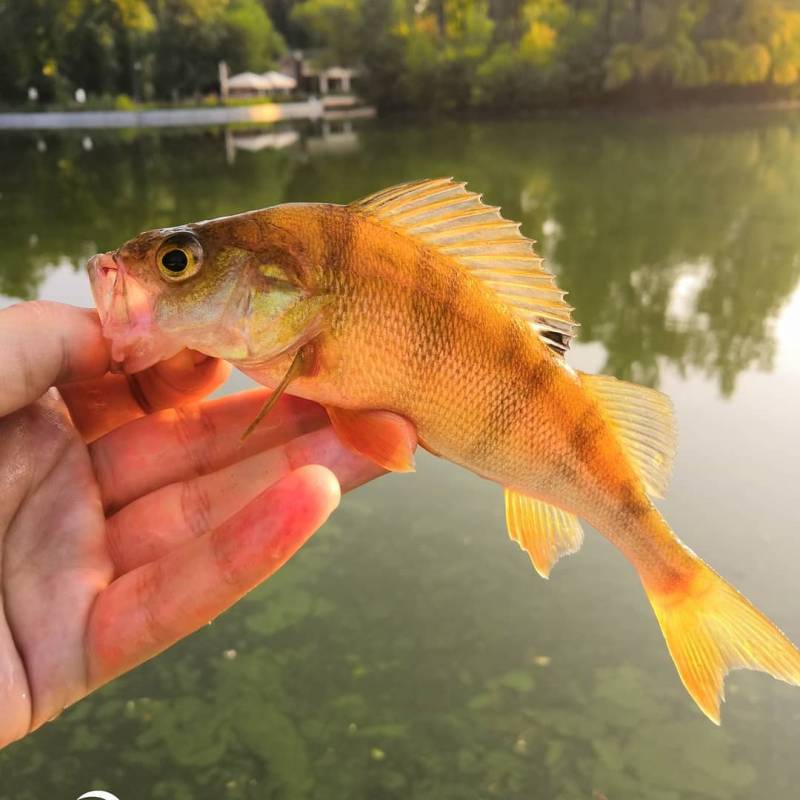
(410, 651)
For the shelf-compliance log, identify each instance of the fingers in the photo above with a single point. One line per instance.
(99, 405)
(47, 344)
(186, 377)
(150, 527)
(175, 445)
(44, 344)
(150, 608)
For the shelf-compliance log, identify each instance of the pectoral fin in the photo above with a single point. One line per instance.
(544, 531)
(383, 437)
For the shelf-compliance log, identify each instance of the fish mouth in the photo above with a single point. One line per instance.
(126, 314)
(104, 272)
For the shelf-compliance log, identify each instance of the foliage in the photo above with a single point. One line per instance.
(333, 25)
(194, 35)
(419, 54)
(440, 62)
(142, 48)
(690, 44)
(249, 39)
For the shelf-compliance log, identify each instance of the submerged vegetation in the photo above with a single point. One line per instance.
(290, 700)
(428, 55)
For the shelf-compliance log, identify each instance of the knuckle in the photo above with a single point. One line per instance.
(195, 505)
(196, 433)
(26, 373)
(224, 559)
(138, 394)
(147, 591)
(114, 545)
(104, 470)
(64, 356)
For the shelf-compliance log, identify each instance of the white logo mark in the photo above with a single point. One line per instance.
(99, 794)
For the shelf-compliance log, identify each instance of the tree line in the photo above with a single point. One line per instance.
(412, 54)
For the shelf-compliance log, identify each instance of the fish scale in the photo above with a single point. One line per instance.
(422, 304)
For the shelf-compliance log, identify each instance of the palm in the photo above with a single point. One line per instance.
(111, 551)
(54, 562)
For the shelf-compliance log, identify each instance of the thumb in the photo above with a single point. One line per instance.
(44, 344)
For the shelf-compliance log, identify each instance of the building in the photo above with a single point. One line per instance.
(312, 78)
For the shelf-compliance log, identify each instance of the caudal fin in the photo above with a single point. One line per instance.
(712, 629)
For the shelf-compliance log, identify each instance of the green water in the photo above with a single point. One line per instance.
(410, 652)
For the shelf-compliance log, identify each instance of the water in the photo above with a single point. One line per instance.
(410, 651)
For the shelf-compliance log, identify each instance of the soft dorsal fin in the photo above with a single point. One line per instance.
(444, 215)
(645, 423)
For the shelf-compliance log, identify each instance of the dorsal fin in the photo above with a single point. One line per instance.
(645, 423)
(444, 215)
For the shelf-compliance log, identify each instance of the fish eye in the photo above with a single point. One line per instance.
(175, 260)
(179, 257)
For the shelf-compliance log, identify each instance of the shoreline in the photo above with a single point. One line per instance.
(595, 108)
(262, 113)
(321, 109)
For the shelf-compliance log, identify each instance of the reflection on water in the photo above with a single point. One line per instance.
(253, 141)
(409, 651)
(675, 238)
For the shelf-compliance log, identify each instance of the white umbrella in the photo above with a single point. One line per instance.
(249, 81)
(277, 80)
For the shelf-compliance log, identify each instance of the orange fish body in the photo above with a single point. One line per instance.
(412, 333)
(422, 301)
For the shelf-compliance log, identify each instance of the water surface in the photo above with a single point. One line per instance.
(410, 651)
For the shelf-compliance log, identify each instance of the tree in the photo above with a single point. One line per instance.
(333, 25)
(423, 54)
(249, 40)
(193, 35)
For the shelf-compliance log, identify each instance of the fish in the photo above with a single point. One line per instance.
(422, 303)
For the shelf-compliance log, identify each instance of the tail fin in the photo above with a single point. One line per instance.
(712, 629)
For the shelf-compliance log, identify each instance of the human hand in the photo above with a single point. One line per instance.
(112, 551)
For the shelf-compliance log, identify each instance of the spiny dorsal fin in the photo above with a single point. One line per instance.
(545, 532)
(444, 215)
(645, 423)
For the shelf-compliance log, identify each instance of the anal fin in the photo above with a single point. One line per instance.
(544, 531)
(381, 436)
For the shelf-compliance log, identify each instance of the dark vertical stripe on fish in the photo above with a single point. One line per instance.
(506, 410)
(584, 435)
(337, 235)
(433, 321)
